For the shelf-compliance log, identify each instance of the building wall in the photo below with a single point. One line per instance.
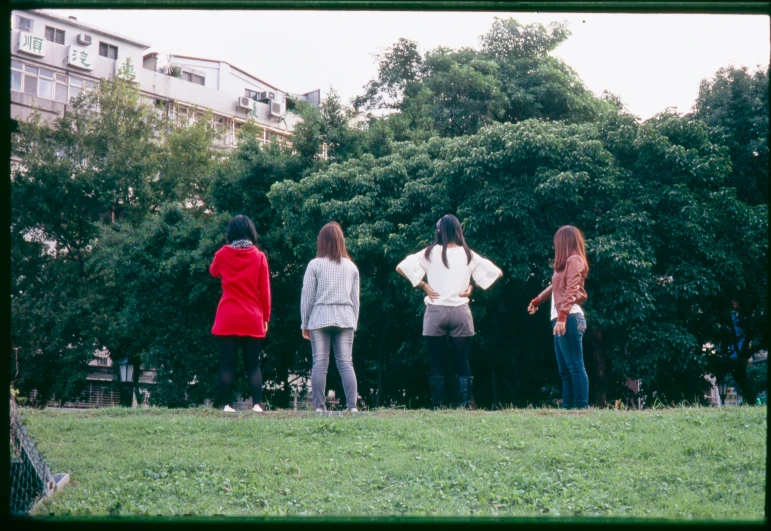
(56, 57)
(222, 87)
(56, 54)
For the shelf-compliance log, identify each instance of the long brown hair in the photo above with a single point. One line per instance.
(569, 241)
(448, 230)
(331, 242)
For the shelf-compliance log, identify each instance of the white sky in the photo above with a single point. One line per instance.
(651, 61)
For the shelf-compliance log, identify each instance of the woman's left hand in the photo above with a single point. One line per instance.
(559, 329)
(266, 328)
(467, 291)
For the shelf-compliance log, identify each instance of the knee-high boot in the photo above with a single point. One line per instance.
(465, 385)
(437, 391)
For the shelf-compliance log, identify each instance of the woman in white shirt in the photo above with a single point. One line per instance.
(449, 265)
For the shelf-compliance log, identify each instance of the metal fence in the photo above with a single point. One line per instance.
(31, 478)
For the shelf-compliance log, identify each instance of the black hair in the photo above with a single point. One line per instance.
(241, 228)
(448, 230)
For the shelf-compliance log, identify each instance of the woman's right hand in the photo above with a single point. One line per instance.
(306, 334)
(531, 309)
(431, 293)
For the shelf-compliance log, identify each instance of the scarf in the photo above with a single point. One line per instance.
(241, 244)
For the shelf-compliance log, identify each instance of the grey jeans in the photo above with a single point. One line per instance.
(341, 340)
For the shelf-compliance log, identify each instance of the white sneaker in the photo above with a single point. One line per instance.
(257, 408)
(229, 409)
(319, 410)
(353, 410)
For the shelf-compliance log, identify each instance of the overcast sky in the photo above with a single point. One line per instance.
(650, 61)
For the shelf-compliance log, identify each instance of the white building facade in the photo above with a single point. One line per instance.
(55, 58)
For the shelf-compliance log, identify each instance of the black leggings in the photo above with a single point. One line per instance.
(250, 346)
(459, 347)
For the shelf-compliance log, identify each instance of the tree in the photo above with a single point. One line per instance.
(96, 163)
(188, 163)
(164, 299)
(398, 66)
(456, 92)
(735, 101)
(509, 39)
(652, 305)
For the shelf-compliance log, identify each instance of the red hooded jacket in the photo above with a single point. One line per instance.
(244, 307)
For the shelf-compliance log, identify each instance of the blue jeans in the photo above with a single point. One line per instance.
(570, 361)
(341, 340)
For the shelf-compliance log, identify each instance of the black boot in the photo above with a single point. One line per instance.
(465, 385)
(437, 391)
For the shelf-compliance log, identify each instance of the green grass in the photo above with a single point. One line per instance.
(699, 463)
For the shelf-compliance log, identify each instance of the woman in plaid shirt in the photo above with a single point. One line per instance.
(329, 309)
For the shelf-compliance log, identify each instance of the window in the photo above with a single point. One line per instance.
(30, 85)
(16, 75)
(61, 93)
(193, 78)
(251, 94)
(16, 81)
(76, 87)
(54, 35)
(23, 23)
(108, 50)
(46, 88)
(40, 82)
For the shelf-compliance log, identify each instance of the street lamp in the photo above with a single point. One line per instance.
(722, 387)
(126, 376)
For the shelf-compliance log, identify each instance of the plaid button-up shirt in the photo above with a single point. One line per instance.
(330, 295)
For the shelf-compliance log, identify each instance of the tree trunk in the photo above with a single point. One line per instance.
(745, 386)
(380, 360)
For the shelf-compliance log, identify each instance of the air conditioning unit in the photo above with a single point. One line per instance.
(275, 108)
(244, 103)
(84, 39)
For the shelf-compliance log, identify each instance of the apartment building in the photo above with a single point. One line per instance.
(55, 58)
(184, 87)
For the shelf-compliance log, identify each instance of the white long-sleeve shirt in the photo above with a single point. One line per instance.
(449, 282)
(330, 295)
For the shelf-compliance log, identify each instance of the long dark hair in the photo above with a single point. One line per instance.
(448, 230)
(569, 241)
(331, 242)
(241, 228)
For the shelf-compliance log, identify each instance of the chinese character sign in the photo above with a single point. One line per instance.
(30, 44)
(79, 58)
(125, 69)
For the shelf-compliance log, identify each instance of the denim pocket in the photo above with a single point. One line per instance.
(581, 325)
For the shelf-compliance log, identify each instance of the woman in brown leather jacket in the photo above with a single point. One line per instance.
(568, 322)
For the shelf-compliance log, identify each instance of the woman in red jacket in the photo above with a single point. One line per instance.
(243, 312)
(568, 322)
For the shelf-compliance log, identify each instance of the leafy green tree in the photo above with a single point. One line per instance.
(188, 163)
(398, 66)
(97, 163)
(456, 92)
(652, 306)
(156, 274)
(735, 101)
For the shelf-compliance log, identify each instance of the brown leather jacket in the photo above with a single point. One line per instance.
(568, 288)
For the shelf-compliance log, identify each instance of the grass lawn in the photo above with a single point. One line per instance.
(701, 463)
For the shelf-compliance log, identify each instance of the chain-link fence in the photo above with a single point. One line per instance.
(30, 476)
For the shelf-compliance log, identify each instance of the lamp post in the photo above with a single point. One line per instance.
(126, 376)
(722, 387)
